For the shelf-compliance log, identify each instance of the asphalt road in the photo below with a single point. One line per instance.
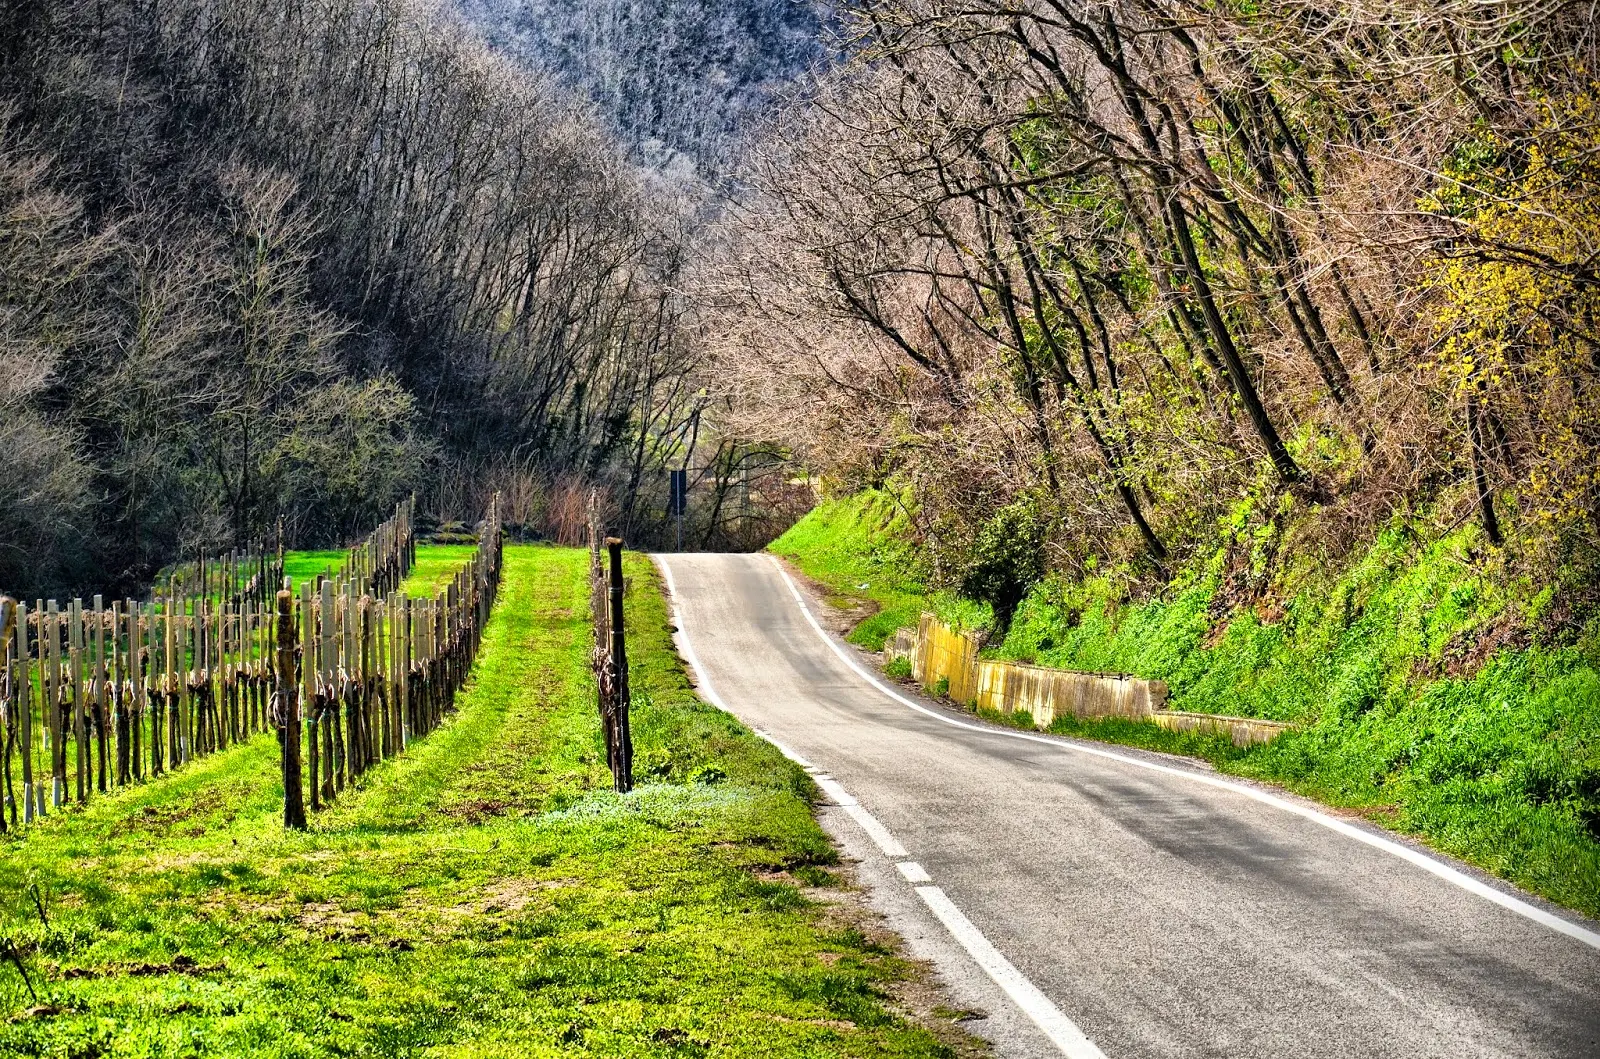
(1087, 903)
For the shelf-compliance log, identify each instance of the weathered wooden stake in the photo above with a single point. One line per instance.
(287, 717)
(308, 688)
(25, 677)
(622, 741)
(102, 696)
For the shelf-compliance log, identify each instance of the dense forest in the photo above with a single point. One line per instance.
(1085, 286)
(268, 264)
(1122, 283)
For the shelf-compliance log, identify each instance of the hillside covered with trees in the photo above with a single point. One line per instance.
(293, 261)
(1253, 348)
(1095, 278)
(680, 81)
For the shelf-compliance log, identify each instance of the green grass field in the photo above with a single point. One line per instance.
(484, 895)
(436, 564)
(303, 565)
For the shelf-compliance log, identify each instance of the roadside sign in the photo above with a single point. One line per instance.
(678, 501)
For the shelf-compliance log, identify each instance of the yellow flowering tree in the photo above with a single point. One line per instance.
(1518, 286)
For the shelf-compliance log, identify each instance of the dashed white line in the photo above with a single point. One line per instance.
(877, 832)
(1061, 1031)
(835, 790)
(914, 872)
(1396, 849)
(845, 800)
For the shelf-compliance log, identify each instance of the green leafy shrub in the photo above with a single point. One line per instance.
(1007, 557)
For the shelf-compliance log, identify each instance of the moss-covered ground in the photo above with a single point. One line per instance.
(1422, 699)
(483, 895)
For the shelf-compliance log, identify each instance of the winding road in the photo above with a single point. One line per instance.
(1084, 900)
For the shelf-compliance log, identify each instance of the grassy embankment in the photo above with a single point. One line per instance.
(483, 895)
(1420, 704)
(863, 549)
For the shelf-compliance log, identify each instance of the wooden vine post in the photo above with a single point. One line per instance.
(619, 737)
(287, 716)
(11, 701)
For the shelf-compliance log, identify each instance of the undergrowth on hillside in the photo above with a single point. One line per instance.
(1427, 696)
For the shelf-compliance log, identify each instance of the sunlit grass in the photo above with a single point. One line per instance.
(862, 549)
(301, 566)
(436, 566)
(484, 895)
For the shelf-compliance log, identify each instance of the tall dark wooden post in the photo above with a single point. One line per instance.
(622, 766)
(294, 805)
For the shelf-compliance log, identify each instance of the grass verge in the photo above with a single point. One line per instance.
(1420, 704)
(860, 548)
(484, 895)
(436, 564)
(301, 566)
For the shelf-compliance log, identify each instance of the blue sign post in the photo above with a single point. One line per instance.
(679, 500)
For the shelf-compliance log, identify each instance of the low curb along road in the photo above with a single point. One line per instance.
(1106, 902)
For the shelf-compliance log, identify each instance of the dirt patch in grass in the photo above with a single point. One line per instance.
(477, 810)
(180, 964)
(507, 896)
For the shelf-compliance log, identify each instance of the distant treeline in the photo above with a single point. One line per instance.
(295, 260)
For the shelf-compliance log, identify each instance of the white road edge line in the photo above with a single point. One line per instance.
(1405, 853)
(877, 832)
(704, 688)
(1062, 1031)
(914, 872)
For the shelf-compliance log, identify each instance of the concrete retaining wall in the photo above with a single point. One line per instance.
(1244, 731)
(940, 653)
(1010, 687)
(903, 644)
